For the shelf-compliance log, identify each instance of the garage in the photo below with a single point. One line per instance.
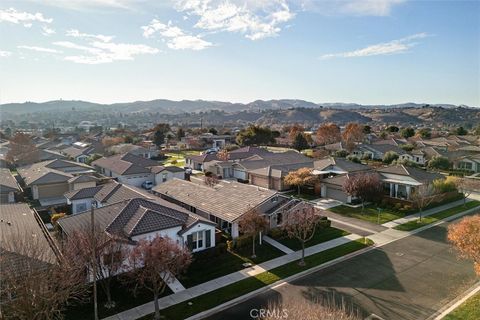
(52, 190)
(336, 194)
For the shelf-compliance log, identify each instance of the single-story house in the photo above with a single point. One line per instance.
(140, 218)
(164, 174)
(400, 181)
(140, 151)
(128, 168)
(470, 162)
(376, 151)
(9, 187)
(226, 202)
(49, 180)
(102, 195)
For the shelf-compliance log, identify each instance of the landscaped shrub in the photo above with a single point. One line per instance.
(324, 222)
(442, 186)
(56, 216)
(243, 241)
(277, 233)
(230, 245)
(353, 158)
(397, 206)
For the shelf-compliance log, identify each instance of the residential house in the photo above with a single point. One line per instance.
(20, 224)
(400, 181)
(137, 219)
(9, 187)
(468, 162)
(164, 174)
(376, 151)
(332, 173)
(104, 194)
(128, 168)
(49, 180)
(227, 202)
(140, 151)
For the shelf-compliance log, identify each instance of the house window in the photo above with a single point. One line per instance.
(80, 207)
(197, 240)
(279, 218)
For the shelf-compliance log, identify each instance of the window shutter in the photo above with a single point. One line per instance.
(208, 242)
(190, 241)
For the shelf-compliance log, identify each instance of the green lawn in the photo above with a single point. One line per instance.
(415, 224)
(205, 269)
(227, 293)
(177, 158)
(469, 310)
(121, 294)
(321, 235)
(370, 213)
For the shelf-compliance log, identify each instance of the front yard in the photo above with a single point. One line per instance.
(469, 310)
(209, 300)
(205, 268)
(321, 235)
(415, 224)
(370, 213)
(177, 158)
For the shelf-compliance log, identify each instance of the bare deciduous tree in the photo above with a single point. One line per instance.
(223, 155)
(155, 263)
(22, 150)
(301, 309)
(466, 187)
(36, 283)
(364, 186)
(252, 223)
(301, 224)
(110, 253)
(422, 196)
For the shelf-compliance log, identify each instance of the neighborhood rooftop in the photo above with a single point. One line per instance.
(226, 200)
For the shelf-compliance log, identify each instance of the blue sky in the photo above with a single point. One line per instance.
(371, 52)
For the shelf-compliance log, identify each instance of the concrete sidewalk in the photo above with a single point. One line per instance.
(354, 222)
(190, 293)
(415, 216)
(277, 245)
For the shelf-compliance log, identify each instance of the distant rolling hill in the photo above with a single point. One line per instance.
(176, 107)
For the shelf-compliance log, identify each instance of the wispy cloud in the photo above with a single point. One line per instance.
(88, 4)
(255, 19)
(392, 47)
(175, 37)
(46, 31)
(39, 49)
(25, 18)
(77, 34)
(4, 54)
(98, 52)
(352, 7)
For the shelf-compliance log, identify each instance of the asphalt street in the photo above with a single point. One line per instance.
(408, 279)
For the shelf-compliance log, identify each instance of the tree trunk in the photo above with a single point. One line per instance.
(363, 205)
(109, 304)
(302, 261)
(421, 209)
(298, 190)
(157, 308)
(253, 248)
(464, 200)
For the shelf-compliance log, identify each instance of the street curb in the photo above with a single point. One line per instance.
(455, 303)
(279, 283)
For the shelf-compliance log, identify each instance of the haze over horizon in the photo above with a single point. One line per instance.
(376, 52)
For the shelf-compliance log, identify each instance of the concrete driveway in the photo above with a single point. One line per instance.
(325, 203)
(408, 279)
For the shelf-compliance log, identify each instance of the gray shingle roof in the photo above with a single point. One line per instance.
(344, 164)
(227, 200)
(7, 181)
(110, 192)
(417, 174)
(40, 173)
(18, 223)
(133, 217)
(126, 163)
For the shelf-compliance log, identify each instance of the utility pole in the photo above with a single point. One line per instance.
(94, 261)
